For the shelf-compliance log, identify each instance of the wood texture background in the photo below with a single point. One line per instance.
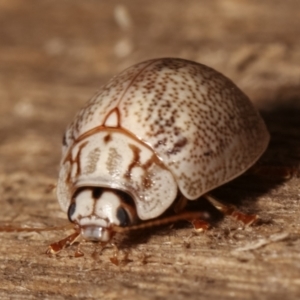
(53, 57)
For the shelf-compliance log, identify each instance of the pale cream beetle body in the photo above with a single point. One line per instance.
(159, 128)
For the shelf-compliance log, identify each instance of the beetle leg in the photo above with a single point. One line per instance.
(115, 258)
(78, 252)
(180, 204)
(231, 211)
(199, 223)
(62, 244)
(274, 172)
(199, 219)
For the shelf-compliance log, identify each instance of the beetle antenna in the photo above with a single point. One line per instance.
(187, 216)
(11, 228)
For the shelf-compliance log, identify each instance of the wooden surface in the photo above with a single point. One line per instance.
(53, 57)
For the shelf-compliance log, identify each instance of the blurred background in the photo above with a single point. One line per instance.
(54, 55)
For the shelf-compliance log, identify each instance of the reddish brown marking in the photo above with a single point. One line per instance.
(135, 161)
(107, 138)
(114, 260)
(69, 156)
(149, 162)
(75, 160)
(147, 182)
(177, 146)
(115, 110)
(120, 130)
(78, 253)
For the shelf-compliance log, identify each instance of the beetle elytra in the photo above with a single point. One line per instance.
(160, 131)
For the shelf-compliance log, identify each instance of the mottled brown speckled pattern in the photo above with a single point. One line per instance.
(202, 127)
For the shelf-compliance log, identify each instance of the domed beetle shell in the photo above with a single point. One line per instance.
(159, 127)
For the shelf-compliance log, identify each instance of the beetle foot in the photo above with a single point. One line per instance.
(124, 260)
(275, 172)
(115, 258)
(230, 210)
(200, 225)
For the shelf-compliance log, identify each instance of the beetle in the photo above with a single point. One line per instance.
(162, 130)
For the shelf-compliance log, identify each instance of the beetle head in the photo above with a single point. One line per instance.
(96, 210)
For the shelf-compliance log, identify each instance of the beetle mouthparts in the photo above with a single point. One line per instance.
(96, 233)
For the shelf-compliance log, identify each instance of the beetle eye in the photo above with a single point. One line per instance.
(123, 217)
(71, 211)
